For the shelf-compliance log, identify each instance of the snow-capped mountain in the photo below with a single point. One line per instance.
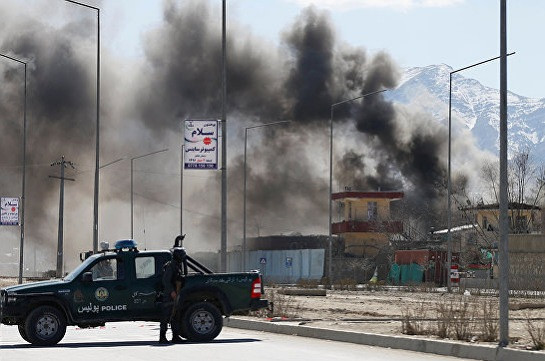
(476, 107)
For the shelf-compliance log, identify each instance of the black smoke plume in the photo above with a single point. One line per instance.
(142, 109)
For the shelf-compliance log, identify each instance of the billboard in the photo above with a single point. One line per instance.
(9, 213)
(201, 144)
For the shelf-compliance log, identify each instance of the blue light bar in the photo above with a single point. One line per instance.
(125, 243)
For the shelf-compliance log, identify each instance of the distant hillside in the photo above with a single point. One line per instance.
(476, 107)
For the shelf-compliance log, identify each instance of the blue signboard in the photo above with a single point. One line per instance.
(289, 262)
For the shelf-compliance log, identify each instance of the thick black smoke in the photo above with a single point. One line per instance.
(184, 71)
(60, 115)
(310, 84)
(180, 77)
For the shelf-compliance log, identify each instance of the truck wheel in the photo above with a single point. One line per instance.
(201, 322)
(45, 326)
(22, 332)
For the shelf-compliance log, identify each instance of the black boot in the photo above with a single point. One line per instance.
(163, 338)
(177, 339)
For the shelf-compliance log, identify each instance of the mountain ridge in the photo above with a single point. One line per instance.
(475, 107)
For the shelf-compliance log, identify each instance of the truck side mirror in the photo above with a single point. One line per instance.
(87, 277)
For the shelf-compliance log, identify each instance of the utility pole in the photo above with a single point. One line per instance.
(182, 193)
(223, 243)
(504, 200)
(63, 163)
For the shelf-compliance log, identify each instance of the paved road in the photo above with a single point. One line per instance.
(137, 341)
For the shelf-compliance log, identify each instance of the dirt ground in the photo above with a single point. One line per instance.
(384, 310)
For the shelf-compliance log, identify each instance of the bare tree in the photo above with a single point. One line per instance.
(526, 184)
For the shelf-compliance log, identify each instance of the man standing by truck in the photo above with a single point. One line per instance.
(173, 276)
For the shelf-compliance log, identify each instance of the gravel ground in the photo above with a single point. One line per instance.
(383, 310)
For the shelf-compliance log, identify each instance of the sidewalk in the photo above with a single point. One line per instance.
(446, 348)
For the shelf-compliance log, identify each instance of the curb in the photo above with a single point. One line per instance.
(445, 348)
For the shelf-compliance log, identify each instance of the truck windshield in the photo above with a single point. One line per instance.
(81, 267)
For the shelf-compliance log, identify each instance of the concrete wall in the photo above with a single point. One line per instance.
(527, 262)
(364, 244)
(526, 265)
(281, 266)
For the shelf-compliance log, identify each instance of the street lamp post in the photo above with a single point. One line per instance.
(182, 192)
(223, 240)
(97, 147)
(132, 202)
(504, 207)
(333, 106)
(449, 181)
(244, 192)
(110, 163)
(22, 239)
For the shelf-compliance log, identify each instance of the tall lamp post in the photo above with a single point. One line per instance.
(132, 196)
(182, 192)
(22, 240)
(110, 163)
(449, 181)
(223, 241)
(333, 106)
(244, 192)
(97, 148)
(504, 227)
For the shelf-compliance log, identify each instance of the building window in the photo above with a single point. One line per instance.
(349, 211)
(372, 211)
(340, 210)
(485, 223)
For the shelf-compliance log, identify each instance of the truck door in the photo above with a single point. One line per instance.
(146, 286)
(106, 297)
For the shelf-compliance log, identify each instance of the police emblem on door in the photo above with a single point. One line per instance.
(101, 294)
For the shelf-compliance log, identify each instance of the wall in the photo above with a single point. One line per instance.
(364, 244)
(527, 261)
(358, 208)
(282, 266)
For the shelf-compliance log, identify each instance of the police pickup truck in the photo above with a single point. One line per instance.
(124, 284)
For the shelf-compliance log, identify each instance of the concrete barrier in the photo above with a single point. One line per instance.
(302, 292)
(445, 348)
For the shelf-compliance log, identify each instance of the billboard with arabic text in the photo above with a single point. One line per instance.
(201, 144)
(9, 213)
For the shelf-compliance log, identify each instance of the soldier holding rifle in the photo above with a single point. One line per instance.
(173, 275)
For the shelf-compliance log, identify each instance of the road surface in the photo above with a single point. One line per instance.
(138, 341)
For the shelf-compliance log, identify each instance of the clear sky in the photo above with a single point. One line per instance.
(413, 32)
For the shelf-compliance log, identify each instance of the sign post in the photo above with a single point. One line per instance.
(201, 144)
(9, 214)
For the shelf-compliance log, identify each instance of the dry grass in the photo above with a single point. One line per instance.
(536, 332)
(461, 318)
(489, 323)
(282, 306)
(7, 281)
(413, 320)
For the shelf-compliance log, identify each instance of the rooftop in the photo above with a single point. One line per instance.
(377, 194)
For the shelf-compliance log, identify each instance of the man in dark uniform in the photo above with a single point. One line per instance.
(172, 282)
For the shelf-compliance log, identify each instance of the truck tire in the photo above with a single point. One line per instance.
(45, 326)
(22, 332)
(201, 322)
